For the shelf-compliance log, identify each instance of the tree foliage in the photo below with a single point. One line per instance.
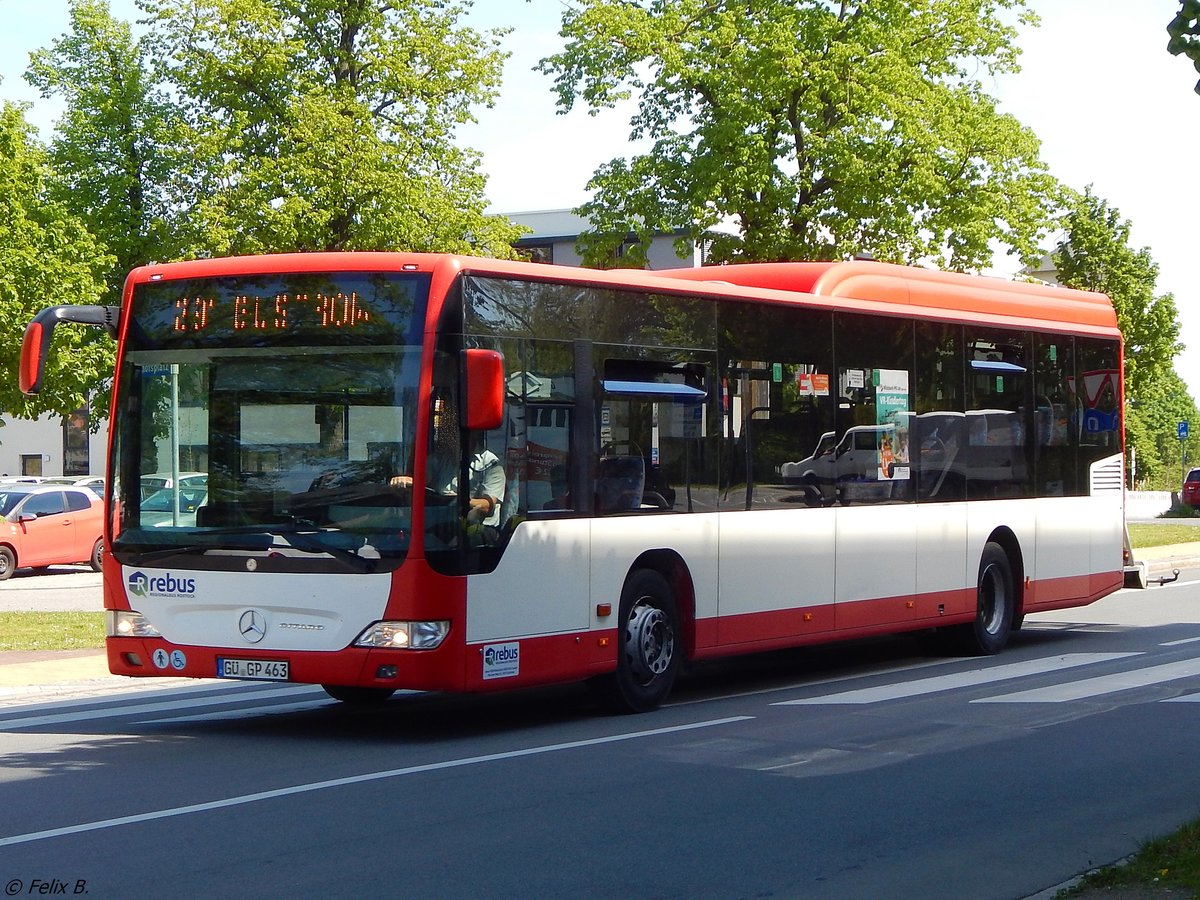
(47, 256)
(329, 124)
(236, 126)
(251, 126)
(1095, 255)
(817, 129)
(1151, 424)
(116, 158)
(1184, 32)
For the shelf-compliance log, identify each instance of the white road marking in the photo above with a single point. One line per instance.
(1103, 684)
(243, 712)
(958, 680)
(137, 709)
(353, 779)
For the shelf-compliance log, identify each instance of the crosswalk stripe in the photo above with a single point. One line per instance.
(1102, 684)
(243, 712)
(136, 710)
(955, 680)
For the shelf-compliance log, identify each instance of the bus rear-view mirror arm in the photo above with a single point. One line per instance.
(35, 346)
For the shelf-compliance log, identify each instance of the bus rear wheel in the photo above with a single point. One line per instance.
(648, 644)
(358, 696)
(996, 604)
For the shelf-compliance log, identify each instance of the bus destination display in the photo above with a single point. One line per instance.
(280, 310)
(255, 311)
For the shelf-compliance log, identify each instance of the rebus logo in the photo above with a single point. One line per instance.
(142, 585)
(139, 584)
(494, 656)
(502, 660)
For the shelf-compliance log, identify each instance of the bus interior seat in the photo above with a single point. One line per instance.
(620, 482)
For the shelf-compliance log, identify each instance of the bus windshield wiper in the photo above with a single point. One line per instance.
(307, 541)
(158, 551)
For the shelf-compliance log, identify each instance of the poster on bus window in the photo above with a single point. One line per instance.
(812, 384)
(892, 417)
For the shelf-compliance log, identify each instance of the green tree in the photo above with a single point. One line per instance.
(1184, 32)
(47, 256)
(116, 156)
(816, 129)
(1095, 255)
(1151, 432)
(329, 124)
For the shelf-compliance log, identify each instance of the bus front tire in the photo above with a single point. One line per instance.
(362, 697)
(995, 605)
(649, 648)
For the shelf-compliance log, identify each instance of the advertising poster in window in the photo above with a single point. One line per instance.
(892, 416)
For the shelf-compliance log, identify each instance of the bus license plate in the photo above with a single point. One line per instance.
(256, 669)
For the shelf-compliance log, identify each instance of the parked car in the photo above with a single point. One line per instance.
(95, 482)
(47, 525)
(156, 509)
(1191, 488)
(160, 480)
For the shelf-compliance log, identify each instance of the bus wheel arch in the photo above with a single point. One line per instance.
(1016, 561)
(999, 601)
(656, 600)
(670, 566)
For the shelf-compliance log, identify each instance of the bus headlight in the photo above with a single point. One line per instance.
(126, 623)
(404, 635)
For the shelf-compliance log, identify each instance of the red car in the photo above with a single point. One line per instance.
(1191, 488)
(49, 524)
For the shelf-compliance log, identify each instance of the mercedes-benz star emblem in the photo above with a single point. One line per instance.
(253, 626)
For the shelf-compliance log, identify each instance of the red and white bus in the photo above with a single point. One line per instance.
(397, 471)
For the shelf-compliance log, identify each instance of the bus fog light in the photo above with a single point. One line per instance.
(404, 635)
(126, 623)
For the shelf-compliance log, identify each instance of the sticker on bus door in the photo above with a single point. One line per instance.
(501, 660)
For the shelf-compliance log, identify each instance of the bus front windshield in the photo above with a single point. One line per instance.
(267, 418)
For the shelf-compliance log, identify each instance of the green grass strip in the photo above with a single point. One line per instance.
(51, 630)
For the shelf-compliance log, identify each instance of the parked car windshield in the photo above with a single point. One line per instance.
(10, 497)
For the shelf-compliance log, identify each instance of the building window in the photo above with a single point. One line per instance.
(538, 253)
(31, 464)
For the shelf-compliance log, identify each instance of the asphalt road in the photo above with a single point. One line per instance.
(73, 588)
(865, 770)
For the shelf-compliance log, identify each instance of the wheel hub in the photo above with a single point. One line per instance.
(650, 641)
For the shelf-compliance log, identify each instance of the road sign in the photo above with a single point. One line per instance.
(1183, 431)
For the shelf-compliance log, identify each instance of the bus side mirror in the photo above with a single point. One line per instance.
(35, 346)
(483, 374)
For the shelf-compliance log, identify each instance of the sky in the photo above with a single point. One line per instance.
(1112, 109)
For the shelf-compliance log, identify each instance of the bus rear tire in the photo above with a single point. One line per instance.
(362, 697)
(649, 645)
(995, 605)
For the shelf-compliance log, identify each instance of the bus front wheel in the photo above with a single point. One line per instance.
(648, 644)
